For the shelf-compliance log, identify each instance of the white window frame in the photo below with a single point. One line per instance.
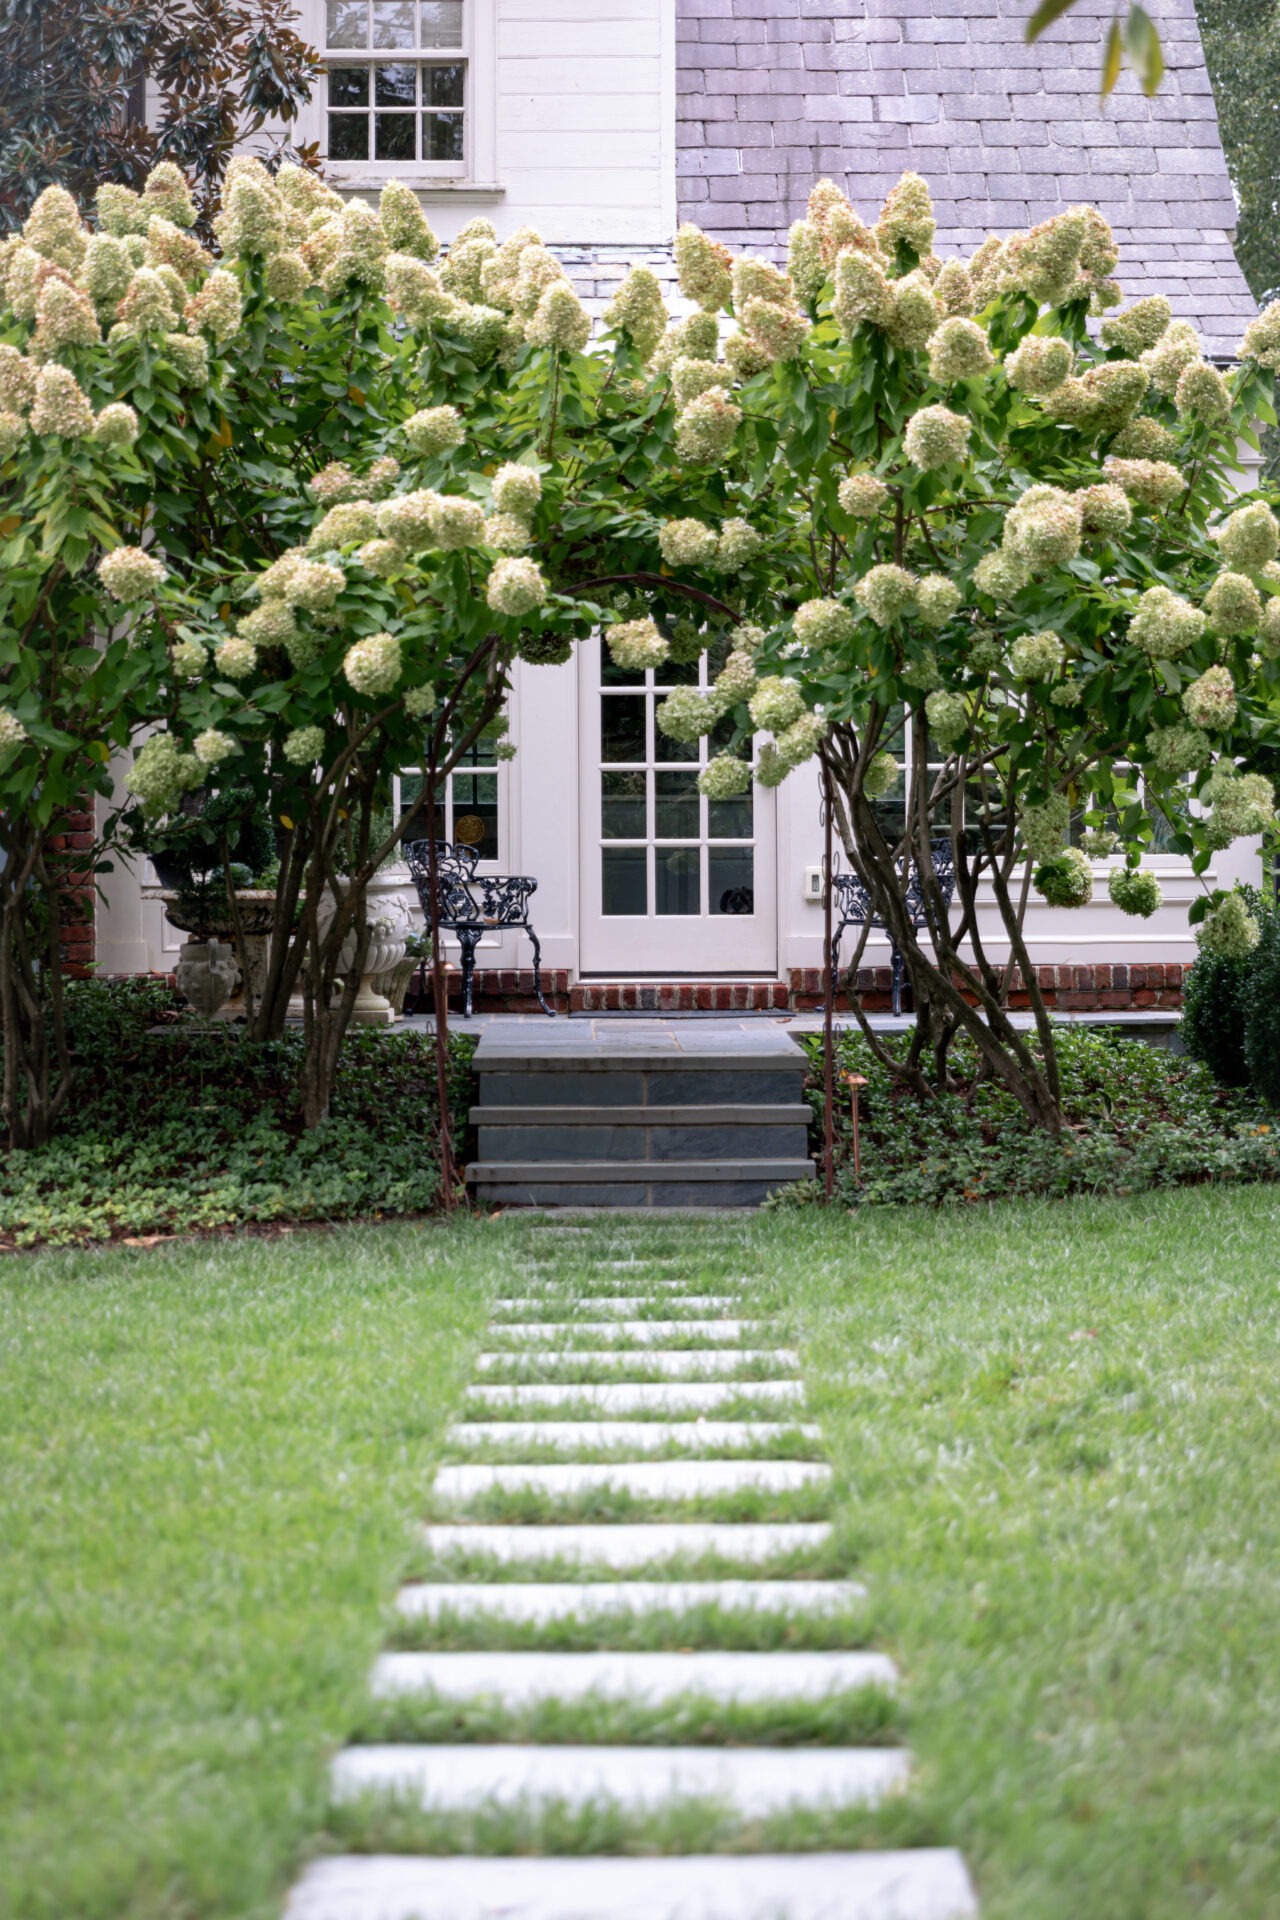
(476, 173)
(499, 863)
(1163, 863)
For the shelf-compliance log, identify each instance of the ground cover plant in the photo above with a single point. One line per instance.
(1136, 1117)
(1051, 1429)
(191, 1128)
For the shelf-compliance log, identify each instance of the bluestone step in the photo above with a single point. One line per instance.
(638, 1332)
(541, 1602)
(930, 1884)
(752, 1782)
(641, 1396)
(519, 1679)
(646, 1436)
(635, 1184)
(646, 1479)
(678, 1363)
(631, 1546)
(620, 1303)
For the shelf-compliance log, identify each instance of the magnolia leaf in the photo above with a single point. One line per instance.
(1112, 59)
(1143, 42)
(1044, 16)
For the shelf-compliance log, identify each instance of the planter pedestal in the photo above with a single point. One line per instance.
(252, 952)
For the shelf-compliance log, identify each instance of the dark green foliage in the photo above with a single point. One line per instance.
(1242, 49)
(1213, 1017)
(190, 1129)
(234, 824)
(1231, 1009)
(1261, 998)
(1137, 1117)
(72, 74)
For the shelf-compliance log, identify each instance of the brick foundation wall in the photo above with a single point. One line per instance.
(1095, 988)
(76, 903)
(1099, 987)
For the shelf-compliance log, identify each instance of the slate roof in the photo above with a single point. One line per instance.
(774, 94)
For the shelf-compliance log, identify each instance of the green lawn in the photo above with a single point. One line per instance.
(1056, 1433)
(210, 1460)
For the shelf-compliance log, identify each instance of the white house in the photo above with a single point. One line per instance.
(604, 122)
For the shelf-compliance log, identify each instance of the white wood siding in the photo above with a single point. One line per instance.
(585, 118)
(572, 130)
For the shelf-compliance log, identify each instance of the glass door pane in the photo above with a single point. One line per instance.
(685, 856)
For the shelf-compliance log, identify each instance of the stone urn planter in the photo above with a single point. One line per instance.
(257, 911)
(206, 975)
(387, 913)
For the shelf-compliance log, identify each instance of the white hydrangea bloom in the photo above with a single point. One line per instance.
(304, 746)
(236, 658)
(211, 746)
(517, 489)
(687, 543)
(776, 704)
(372, 666)
(129, 573)
(434, 430)
(516, 587)
(635, 644)
(724, 777)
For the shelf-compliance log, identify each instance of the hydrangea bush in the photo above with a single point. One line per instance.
(365, 480)
(243, 516)
(998, 583)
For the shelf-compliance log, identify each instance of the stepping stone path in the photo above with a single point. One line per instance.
(647, 1594)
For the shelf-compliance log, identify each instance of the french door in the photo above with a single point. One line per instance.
(672, 883)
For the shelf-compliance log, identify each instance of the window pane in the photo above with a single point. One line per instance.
(348, 86)
(622, 726)
(676, 806)
(348, 23)
(612, 675)
(395, 84)
(393, 23)
(475, 812)
(441, 23)
(731, 880)
(393, 136)
(442, 136)
(665, 748)
(626, 886)
(442, 86)
(720, 738)
(730, 819)
(622, 806)
(678, 874)
(674, 674)
(348, 136)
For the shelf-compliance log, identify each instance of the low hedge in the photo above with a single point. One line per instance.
(179, 1128)
(1137, 1117)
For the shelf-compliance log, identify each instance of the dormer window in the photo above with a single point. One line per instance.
(398, 75)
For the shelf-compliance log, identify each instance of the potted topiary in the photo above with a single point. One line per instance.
(216, 863)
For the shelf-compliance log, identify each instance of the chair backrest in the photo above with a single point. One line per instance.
(455, 872)
(944, 872)
(855, 902)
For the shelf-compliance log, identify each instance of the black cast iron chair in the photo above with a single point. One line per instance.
(853, 904)
(471, 905)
